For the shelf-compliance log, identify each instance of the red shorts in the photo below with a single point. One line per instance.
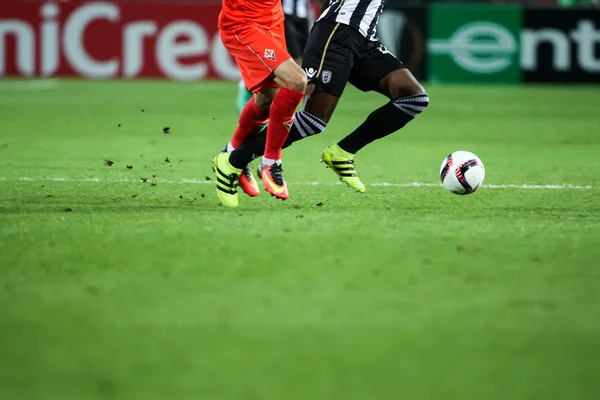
(257, 52)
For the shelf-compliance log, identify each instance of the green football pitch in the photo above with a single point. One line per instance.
(121, 278)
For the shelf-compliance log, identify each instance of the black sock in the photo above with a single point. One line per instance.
(304, 125)
(384, 121)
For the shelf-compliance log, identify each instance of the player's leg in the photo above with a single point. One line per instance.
(322, 104)
(292, 81)
(261, 101)
(242, 45)
(310, 121)
(382, 72)
(296, 36)
(327, 63)
(252, 120)
(265, 65)
(408, 99)
(253, 117)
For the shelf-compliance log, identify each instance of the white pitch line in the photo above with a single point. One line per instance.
(34, 85)
(208, 182)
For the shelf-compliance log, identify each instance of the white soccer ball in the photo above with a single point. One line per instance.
(462, 172)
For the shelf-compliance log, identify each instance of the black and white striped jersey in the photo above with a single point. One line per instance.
(297, 8)
(360, 14)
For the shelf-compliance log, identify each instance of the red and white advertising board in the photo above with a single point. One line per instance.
(102, 39)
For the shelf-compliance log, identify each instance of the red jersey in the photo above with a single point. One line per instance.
(265, 13)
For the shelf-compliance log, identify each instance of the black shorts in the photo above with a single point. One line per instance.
(296, 35)
(336, 54)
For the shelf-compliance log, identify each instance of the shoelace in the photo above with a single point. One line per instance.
(233, 180)
(277, 174)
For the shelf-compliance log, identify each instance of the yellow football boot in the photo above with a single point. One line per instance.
(342, 163)
(227, 180)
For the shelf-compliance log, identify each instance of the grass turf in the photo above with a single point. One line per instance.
(121, 289)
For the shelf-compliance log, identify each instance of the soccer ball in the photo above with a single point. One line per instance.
(462, 172)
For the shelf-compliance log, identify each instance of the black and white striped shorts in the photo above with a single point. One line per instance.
(337, 54)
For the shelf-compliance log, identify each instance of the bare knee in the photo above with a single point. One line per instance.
(297, 82)
(291, 76)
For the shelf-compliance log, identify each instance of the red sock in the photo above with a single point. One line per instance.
(251, 120)
(280, 121)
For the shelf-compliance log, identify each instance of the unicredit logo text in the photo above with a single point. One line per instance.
(177, 48)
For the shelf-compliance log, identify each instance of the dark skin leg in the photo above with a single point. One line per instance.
(397, 84)
(320, 104)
